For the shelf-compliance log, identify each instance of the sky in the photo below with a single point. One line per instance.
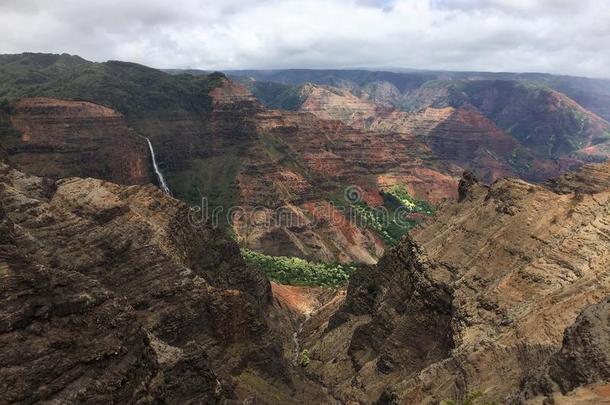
(554, 36)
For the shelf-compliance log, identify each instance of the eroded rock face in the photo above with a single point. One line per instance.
(64, 337)
(584, 357)
(477, 298)
(68, 338)
(296, 163)
(457, 134)
(579, 372)
(74, 138)
(110, 293)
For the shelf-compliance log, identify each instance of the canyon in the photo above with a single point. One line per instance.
(218, 147)
(110, 293)
(116, 291)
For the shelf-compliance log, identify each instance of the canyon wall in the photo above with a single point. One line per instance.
(70, 138)
(476, 299)
(111, 294)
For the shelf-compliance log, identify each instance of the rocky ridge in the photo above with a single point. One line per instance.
(111, 294)
(475, 298)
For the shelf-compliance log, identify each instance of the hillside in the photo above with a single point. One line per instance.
(544, 120)
(55, 138)
(461, 134)
(540, 111)
(482, 299)
(529, 107)
(109, 294)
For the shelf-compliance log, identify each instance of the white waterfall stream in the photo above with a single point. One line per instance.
(160, 177)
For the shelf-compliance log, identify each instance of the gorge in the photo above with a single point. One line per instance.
(488, 283)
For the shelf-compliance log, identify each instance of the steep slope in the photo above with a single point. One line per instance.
(474, 299)
(62, 139)
(545, 120)
(469, 139)
(337, 104)
(579, 373)
(539, 110)
(460, 135)
(110, 292)
(115, 294)
(311, 164)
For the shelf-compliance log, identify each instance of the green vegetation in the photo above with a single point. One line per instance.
(213, 178)
(391, 220)
(276, 95)
(296, 271)
(304, 359)
(132, 89)
(8, 134)
(402, 196)
(277, 149)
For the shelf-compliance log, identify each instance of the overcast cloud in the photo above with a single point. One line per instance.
(556, 36)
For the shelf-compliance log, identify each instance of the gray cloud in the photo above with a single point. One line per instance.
(557, 36)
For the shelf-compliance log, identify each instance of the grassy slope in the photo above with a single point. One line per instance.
(132, 89)
(144, 95)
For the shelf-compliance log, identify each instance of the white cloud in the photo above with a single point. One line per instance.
(558, 36)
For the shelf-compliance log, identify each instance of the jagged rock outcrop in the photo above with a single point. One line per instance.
(584, 357)
(111, 293)
(465, 185)
(476, 299)
(68, 338)
(579, 373)
(73, 138)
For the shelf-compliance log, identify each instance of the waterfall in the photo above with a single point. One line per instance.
(162, 182)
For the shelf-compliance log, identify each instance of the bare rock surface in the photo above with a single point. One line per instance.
(75, 138)
(478, 299)
(109, 294)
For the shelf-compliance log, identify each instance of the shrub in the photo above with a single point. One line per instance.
(304, 359)
(390, 221)
(296, 271)
(7, 131)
